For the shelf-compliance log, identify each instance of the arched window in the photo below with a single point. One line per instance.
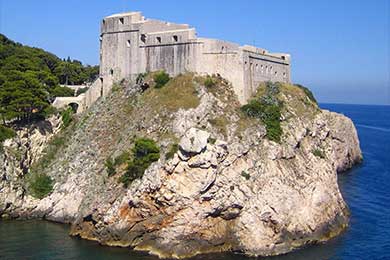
(128, 43)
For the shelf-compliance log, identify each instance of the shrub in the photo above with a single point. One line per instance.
(245, 175)
(268, 109)
(109, 163)
(319, 153)
(122, 158)
(49, 111)
(40, 185)
(66, 117)
(308, 93)
(174, 148)
(209, 82)
(59, 91)
(145, 152)
(161, 78)
(268, 114)
(6, 133)
(81, 91)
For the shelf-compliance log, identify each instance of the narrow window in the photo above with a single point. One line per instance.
(128, 43)
(111, 72)
(158, 39)
(284, 74)
(175, 38)
(143, 38)
(104, 22)
(276, 73)
(121, 20)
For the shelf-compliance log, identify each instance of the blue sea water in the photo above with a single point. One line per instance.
(366, 189)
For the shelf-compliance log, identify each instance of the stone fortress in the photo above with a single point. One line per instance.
(130, 44)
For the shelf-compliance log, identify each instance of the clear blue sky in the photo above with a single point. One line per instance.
(340, 48)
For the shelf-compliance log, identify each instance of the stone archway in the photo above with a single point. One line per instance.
(75, 106)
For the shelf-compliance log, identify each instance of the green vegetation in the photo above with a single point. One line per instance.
(174, 148)
(268, 109)
(6, 133)
(145, 152)
(161, 78)
(110, 167)
(40, 185)
(30, 78)
(319, 153)
(122, 159)
(179, 92)
(209, 82)
(49, 153)
(308, 93)
(245, 175)
(67, 117)
(81, 91)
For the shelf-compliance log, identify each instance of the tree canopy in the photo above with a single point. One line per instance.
(30, 79)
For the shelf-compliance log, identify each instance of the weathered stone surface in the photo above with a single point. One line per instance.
(247, 193)
(194, 141)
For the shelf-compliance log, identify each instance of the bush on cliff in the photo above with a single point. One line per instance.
(268, 109)
(161, 78)
(67, 117)
(6, 133)
(40, 185)
(145, 152)
(308, 93)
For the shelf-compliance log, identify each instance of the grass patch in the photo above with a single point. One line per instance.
(209, 82)
(145, 152)
(179, 92)
(40, 185)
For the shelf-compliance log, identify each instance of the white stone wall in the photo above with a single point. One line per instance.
(131, 44)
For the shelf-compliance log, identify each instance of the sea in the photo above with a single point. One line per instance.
(366, 189)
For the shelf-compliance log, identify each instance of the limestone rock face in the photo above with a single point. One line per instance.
(239, 191)
(194, 141)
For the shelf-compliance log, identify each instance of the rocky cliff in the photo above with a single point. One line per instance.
(219, 184)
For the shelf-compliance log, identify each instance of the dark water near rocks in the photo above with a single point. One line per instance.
(366, 188)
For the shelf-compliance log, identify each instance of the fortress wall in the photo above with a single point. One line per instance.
(172, 51)
(131, 44)
(223, 58)
(260, 68)
(94, 92)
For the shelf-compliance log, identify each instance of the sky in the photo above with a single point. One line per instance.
(339, 48)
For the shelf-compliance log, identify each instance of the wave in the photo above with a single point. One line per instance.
(374, 128)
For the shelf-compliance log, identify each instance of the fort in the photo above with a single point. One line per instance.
(130, 44)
